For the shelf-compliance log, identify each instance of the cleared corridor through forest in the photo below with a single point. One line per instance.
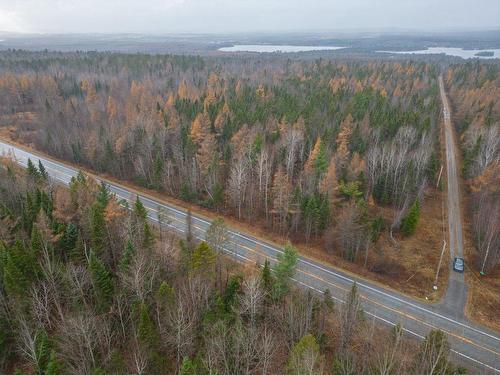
(469, 342)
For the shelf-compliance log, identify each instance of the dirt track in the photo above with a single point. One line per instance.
(456, 294)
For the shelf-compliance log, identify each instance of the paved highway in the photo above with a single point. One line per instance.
(456, 293)
(469, 342)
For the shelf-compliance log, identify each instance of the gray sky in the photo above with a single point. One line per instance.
(164, 16)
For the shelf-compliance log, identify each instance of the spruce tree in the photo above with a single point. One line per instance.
(98, 229)
(284, 270)
(69, 238)
(140, 211)
(102, 281)
(146, 329)
(127, 256)
(266, 277)
(103, 195)
(36, 241)
(203, 259)
(53, 367)
(42, 350)
(148, 236)
(32, 171)
(410, 221)
(18, 268)
(188, 367)
(43, 172)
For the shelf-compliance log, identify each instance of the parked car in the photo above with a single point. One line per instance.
(458, 264)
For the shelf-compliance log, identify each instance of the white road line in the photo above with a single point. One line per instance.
(278, 251)
(258, 242)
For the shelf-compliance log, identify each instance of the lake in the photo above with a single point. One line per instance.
(460, 52)
(275, 48)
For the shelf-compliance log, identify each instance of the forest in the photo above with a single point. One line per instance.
(339, 156)
(327, 153)
(89, 286)
(475, 90)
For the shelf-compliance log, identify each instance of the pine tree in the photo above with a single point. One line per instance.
(158, 167)
(140, 211)
(43, 172)
(188, 367)
(148, 236)
(321, 162)
(53, 367)
(433, 355)
(266, 277)
(42, 350)
(410, 221)
(36, 241)
(165, 295)
(69, 238)
(103, 195)
(189, 230)
(127, 256)
(32, 171)
(102, 281)
(78, 253)
(305, 357)
(97, 228)
(203, 259)
(146, 329)
(284, 270)
(18, 268)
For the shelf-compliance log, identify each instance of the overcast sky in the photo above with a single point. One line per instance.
(166, 16)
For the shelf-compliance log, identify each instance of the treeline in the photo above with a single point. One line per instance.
(290, 144)
(88, 286)
(475, 89)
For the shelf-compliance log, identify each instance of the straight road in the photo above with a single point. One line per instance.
(456, 293)
(469, 342)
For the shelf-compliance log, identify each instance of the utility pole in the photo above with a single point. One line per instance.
(439, 266)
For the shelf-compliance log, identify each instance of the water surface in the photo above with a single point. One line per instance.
(276, 48)
(451, 51)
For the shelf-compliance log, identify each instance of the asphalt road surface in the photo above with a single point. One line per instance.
(472, 343)
(456, 293)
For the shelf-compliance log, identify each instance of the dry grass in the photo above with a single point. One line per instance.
(483, 299)
(483, 304)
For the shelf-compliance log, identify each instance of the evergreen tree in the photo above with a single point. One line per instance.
(189, 230)
(410, 221)
(432, 357)
(146, 329)
(284, 270)
(203, 259)
(305, 357)
(102, 281)
(18, 268)
(321, 161)
(148, 236)
(36, 241)
(158, 167)
(53, 367)
(43, 172)
(78, 253)
(42, 350)
(81, 178)
(127, 256)
(97, 228)
(69, 238)
(266, 277)
(188, 367)
(165, 295)
(103, 195)
(32, 171)
(140, 211)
